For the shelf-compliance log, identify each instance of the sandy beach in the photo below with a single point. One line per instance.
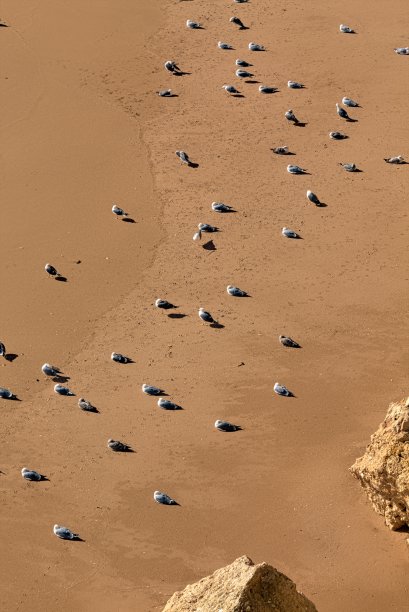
(82, 128)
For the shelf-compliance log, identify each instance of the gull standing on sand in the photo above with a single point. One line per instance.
(242, 63)
(162, 498)
(118, 447)
(184, 157)
(220, 207)
(61, 390)
(64, 533)
(51, 270)
(235, 291)
(289, 233)
(166, 404)
(402, 50)
(31, 474)
(119, 358)
(313, 198)
(395, 160)
(50, 370)
(226, 426)
(193, 25)
(288, 342)
(292, 169)
(295, 85)
(151, 390)
(197, 236)
(266, 89)
(165, 93)
(205, 316)
(171, 67)
(230, 89)
(349, 102)
(223, 45)
(280, 150)
(164, 304)
(337, 136)
(86, 405)
(345, 29)
(2, 350)
(6, 393)
(244, 74)
(118, 212)
(238, 22)
(342, 112)
(282, 390)
(205, 227)
(255, 47)
(349, 167)
(289, 115)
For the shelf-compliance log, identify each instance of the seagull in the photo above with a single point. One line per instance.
(150, 390)
(162, 498)
(86, 405)
(230, 89)
(266, 89)
(184, 157)
(389, 160)
(164, 304)
(119, 358)
(342, 112)
(348, 102)
(5, 393)
(288, 233)
(295, 169)
(223, 45)
(50, 370)
(281, 390)
(337, 136)
(61, 390)
(289, 342)
(345, 29)
(280, 150)
(30, 474)
(205, 227)
(167, 404)
(255, 47)
(313, 198)
(295, 85)
(243, 74)
(240, 1)
(2, 350)
(235, 291)
(197, 236)
(193, 25)
(220, 207)
(238, 22)
(242, 63)
(205, 316)
(172, 67)
(289, 115)
(402, 50)
(165, 93)
(226, 426)
(118, 447)
(51, 270)
(349, 167)
(119, 212)
(64, 533)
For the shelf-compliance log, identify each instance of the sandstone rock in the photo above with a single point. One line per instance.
(241, 587)
(384, 468)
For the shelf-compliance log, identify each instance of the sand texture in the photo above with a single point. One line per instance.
(81, 128)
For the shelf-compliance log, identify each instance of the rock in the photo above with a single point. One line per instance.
(383, 470)
(241, 587)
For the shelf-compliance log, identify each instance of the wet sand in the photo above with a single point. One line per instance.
(82, 128)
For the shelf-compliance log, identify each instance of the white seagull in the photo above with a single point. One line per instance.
(197, 236)
(349, 102)
(193, 25)
(118, 447)
(61, 390)
(171, 67)
(342, 112)
(288, 342)
(50, 370)
(280, 150)
(349, 167)
(243, 74)
(151, 390)
(402, 50)
(31, 474)
(5, 393)
(119, 212)
(166, 404)
(51, 270)
(64, 533)
(205, 316)
(292, 169)
(230, 89)
(162, 498)
(395, 160)
(119, 358)
(337, 136)
(289, 233)
(313, 198)
(289, 115)
(220, 207)
(223, 45)
(242, 63)
(226, 426)
(235, 291)
(282, 390)
(345, 29)
(86, 405)
(255, 47)
(205, 227)
(164, 304)
(164, 93)
(295, 85)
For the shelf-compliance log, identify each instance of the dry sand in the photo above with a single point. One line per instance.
(81, 128)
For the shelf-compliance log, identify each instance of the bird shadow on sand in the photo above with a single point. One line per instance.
(14, 398)
(61, 279)
(177, 315)
(77, 539)
(350, 120)
(283, 154)
(270, 90)
(216, 325)
(128, 360)
(128, 220)
(301, 124)
(60, 378)
(4, 25)
(239, 95)
(181, 73)
(10, 357)
(252, 82)
(209, 246)
(321, 205)
(193, 164)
